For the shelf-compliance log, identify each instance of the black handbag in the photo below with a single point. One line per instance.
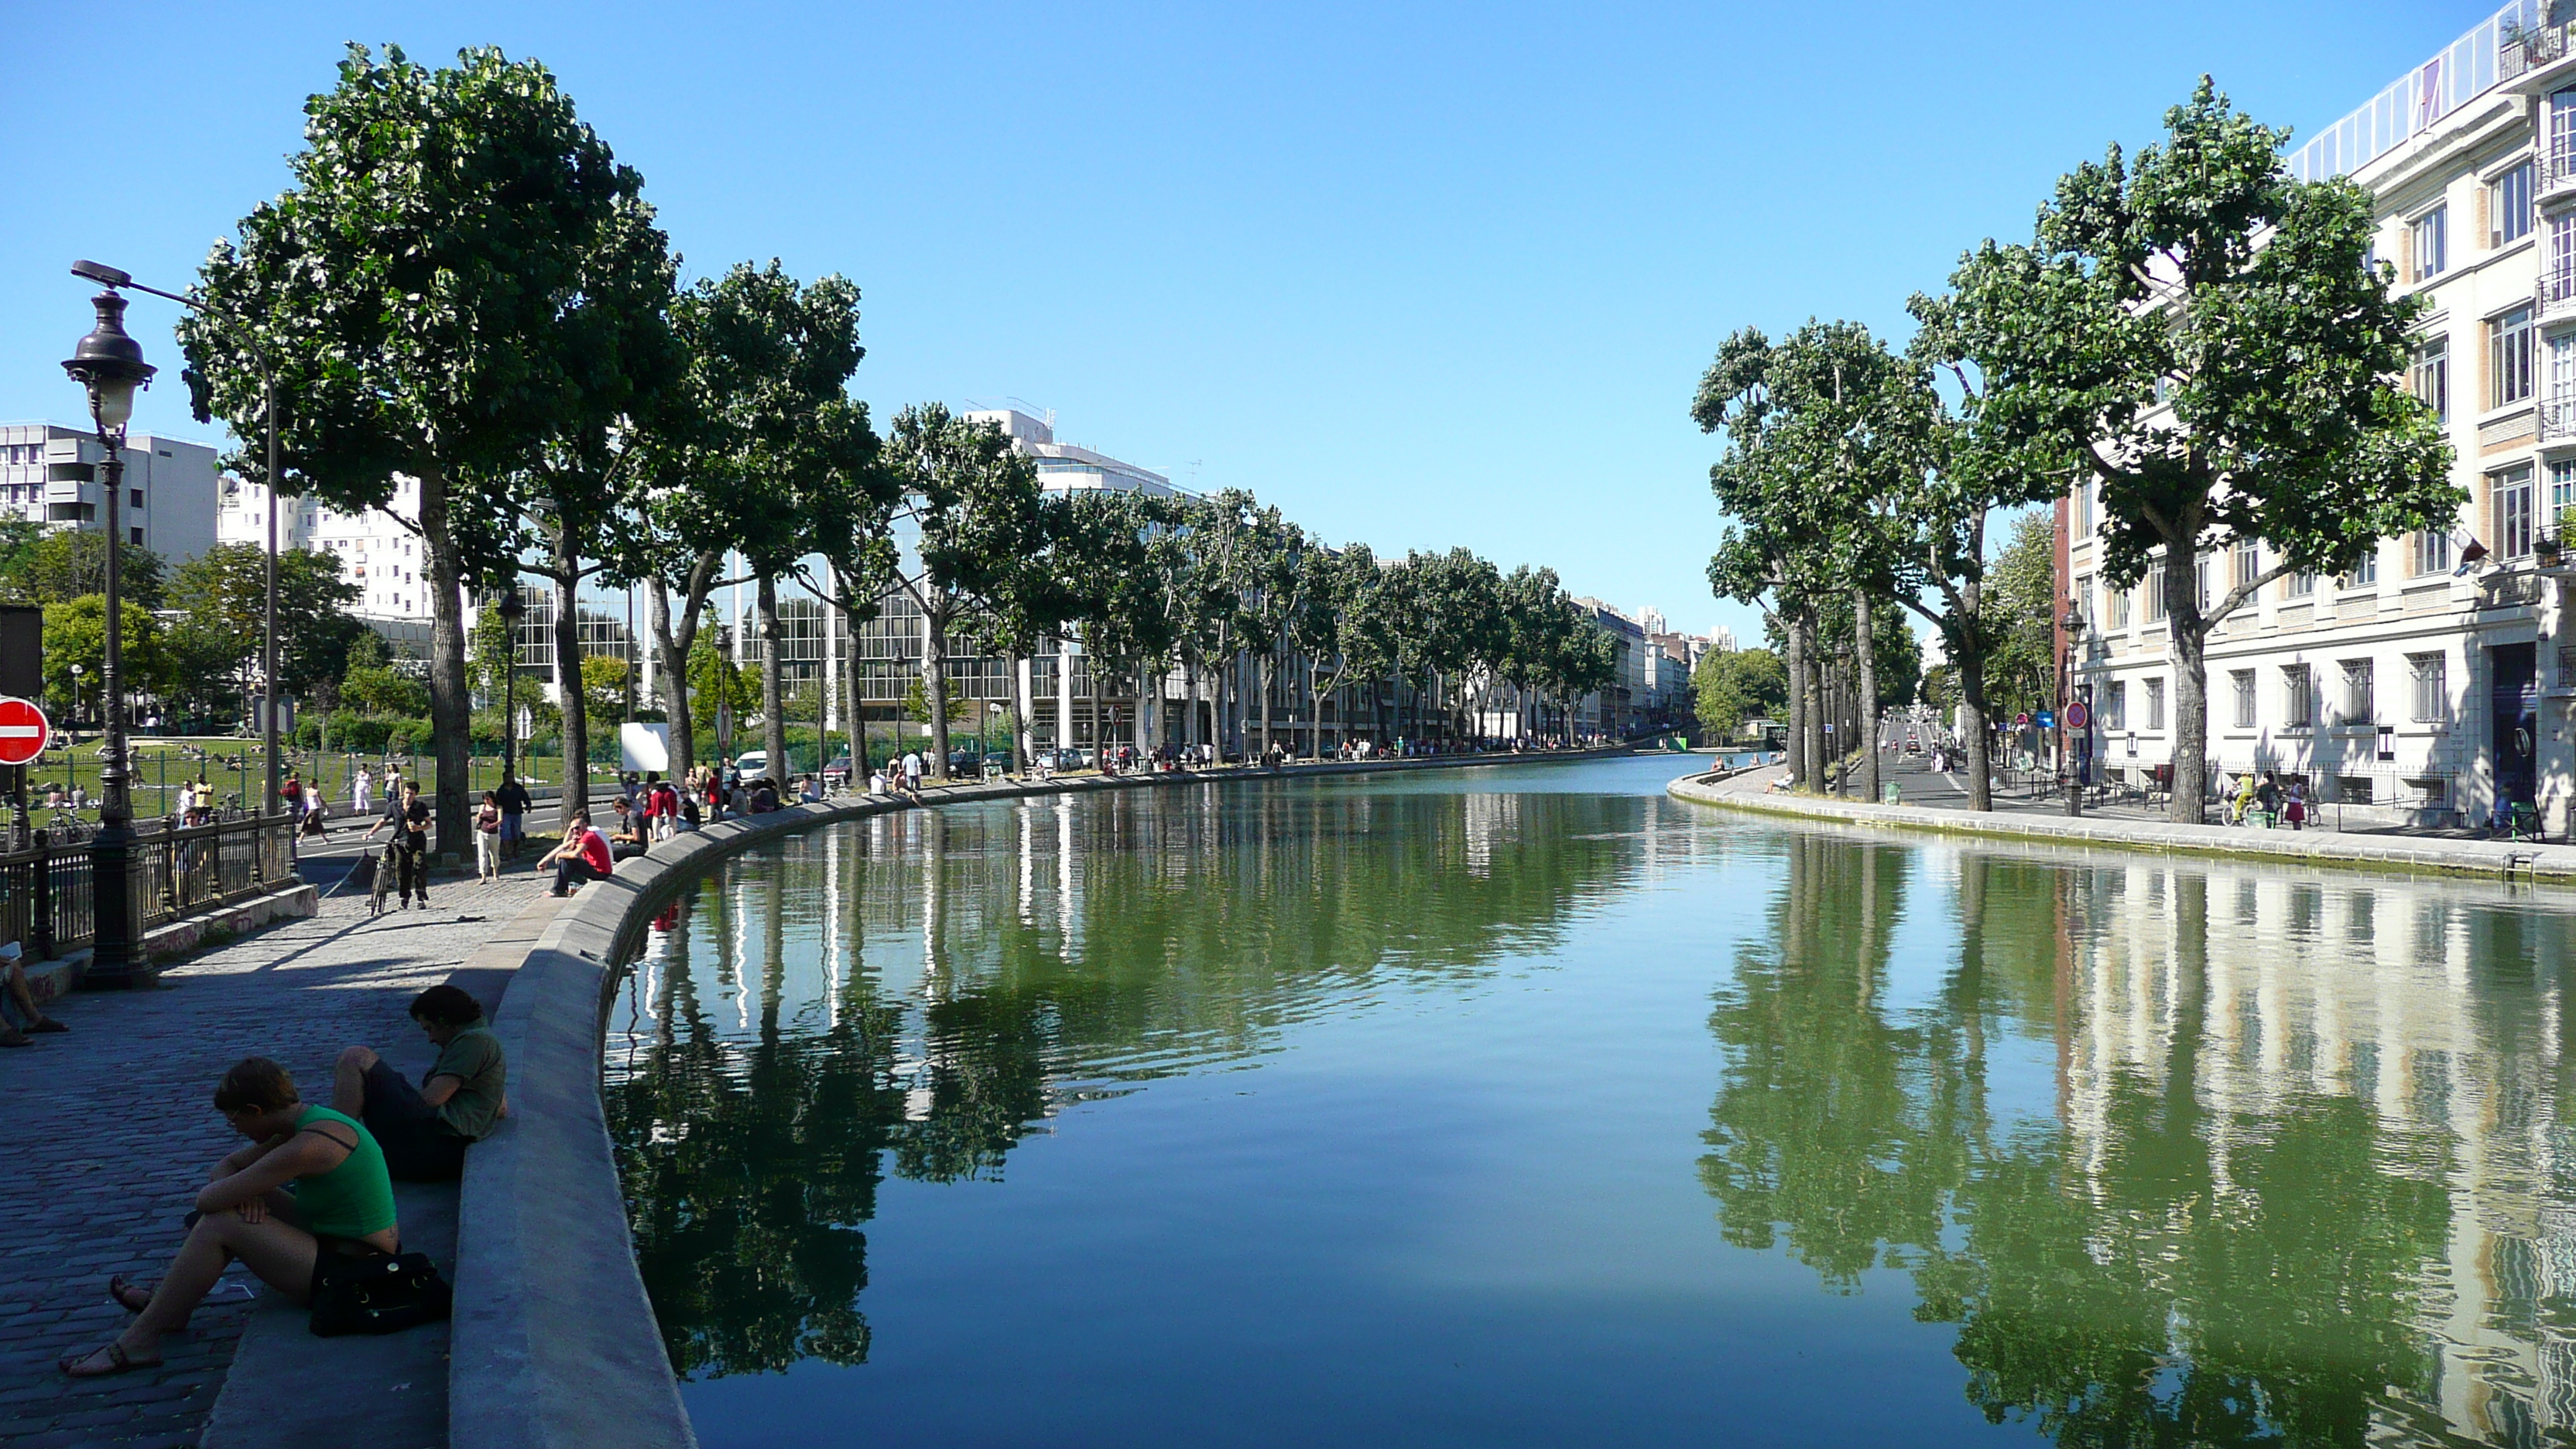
(376, 1293)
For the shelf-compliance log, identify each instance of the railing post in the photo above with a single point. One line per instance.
(40, 904)
(116, 952)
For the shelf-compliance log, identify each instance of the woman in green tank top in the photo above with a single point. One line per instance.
(311, 1182)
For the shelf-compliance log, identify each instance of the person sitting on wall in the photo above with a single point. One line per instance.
(311, 1186)
(583, 856)
(425, 1130)
(19, 1014)
(626, 841)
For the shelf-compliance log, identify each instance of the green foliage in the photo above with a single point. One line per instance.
(1733, 688)
(75, 636)
(715, 679)
(39, 565)
(603, 688)
(2021, 672)
(916, 702)
(224, 595)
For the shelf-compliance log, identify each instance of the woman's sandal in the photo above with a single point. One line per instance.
(118, 1289)
(118, 1362)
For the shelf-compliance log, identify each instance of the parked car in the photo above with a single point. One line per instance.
(753, 765)
(837, 773)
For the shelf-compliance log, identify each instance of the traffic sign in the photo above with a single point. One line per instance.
(2077, 716)
(23, 731)
(2022, 718)
(2047, 719)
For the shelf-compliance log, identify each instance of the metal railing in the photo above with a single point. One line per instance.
(46, 900)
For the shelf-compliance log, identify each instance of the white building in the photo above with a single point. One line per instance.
(51, 475)
(376, 551)
(2435, 678)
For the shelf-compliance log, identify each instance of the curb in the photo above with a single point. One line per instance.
(2545, 864)
(554, 1344)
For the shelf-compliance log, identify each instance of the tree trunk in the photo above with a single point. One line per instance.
(2191, 687)
(451, 703)
(1017, 680)
(1865, 702)
(1267, 662)
(773, 700)
(934, 689)
(1972, 729)
(1801, 776)
(575, 704)
(1812, 685)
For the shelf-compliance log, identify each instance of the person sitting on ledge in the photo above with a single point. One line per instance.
(19, 1013)
(582, 856)
(627, 841)
(311, 1183)
(425, 1130)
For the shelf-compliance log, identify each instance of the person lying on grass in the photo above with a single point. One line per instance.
(311, 1182)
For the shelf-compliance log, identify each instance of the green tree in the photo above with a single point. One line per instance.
(223, 595)
(603, 689)
(422, 290)
(75, 639)
(1737, 687)
(2209, 340)
(53, 566)
(975, 500)
(2022, 667)
(716, 682)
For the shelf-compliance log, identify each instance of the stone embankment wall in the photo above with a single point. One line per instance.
(554, 1341)
(1742, 790)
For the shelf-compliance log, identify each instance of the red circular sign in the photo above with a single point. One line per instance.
(23, 731)
(2077, 716)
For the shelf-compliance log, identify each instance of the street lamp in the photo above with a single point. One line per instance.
(511, 607)
(109, 366)
(112, 278)
(2073, 625)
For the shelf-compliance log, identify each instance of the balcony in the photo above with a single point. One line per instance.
(2555, 427)
(2509, 587)
(2518, 53)
(2555, 298)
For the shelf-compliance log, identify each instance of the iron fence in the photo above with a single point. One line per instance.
(46, 896)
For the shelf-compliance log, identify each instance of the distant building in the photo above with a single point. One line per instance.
(51, 475)
(376, 548)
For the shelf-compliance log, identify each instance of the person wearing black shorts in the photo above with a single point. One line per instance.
(425, 1130)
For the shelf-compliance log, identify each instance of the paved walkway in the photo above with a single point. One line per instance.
(108, 1133)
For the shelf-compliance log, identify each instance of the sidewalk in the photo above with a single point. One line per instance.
(1939, 803)
(109, 1133)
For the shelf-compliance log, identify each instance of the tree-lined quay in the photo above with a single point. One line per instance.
(2201, 340)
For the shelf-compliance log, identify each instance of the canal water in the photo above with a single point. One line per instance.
(1529, 1106)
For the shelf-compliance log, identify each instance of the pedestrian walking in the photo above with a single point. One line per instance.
(487, 837)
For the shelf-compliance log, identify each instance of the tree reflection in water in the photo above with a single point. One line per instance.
(2294, 1161)
(928, 988)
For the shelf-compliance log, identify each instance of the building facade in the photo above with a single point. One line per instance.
(51, 475)
(2433, 683)
(376, 548)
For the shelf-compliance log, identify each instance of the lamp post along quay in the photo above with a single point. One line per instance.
(2070, 711)
(109, 365)
(114, 278)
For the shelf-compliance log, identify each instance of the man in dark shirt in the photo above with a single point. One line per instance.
(408, 814)
(513, 800)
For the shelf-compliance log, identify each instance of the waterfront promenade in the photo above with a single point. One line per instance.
(109, 1132)
(1938, 803)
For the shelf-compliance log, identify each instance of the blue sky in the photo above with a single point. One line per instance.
(1422, 275)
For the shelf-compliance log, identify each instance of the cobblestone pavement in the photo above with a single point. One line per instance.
(107, 1134)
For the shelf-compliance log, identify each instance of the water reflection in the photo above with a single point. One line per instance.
(2294, 1174)
(916, 993)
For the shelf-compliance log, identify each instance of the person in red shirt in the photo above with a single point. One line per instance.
(582, 856)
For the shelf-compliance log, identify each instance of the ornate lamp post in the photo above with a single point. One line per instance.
(2073, 625)
(511, 607)
(111, 277)
(109, 365)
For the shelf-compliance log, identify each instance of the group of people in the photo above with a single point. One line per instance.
(309, 1201)
(2268, 797)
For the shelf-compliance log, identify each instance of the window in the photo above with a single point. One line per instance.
(2509, 358)
(2298, 697)
(2432, 693)
(2155, 592)
(2115, 705)
(2509, 206)
(2365, 573)
(2084, 598)
(2430, 232)
(2300, 585)
(2562, 492)
(2567, 666)
(2430, 378)
(2558, 265)
(2202, 570)
(2084, 510)
(2115, 607)
(2247, 562)
(2511, 492)
(2360, 695)
(2155, 704)
(2243, 679)
(2432, 552)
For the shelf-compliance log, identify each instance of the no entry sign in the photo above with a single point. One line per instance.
(23, 731)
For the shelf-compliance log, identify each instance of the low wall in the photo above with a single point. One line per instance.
(2521, 860)
(554, 1344)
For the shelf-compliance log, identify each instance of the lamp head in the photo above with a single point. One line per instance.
(2073, 623)
(109, 364)
(511, 605)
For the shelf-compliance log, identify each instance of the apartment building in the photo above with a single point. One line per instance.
(2434, 680)
(52, 475)
(376, 549)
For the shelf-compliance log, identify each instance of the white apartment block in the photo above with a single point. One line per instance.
(51, 475)
(376, 551)
(2437, 678)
